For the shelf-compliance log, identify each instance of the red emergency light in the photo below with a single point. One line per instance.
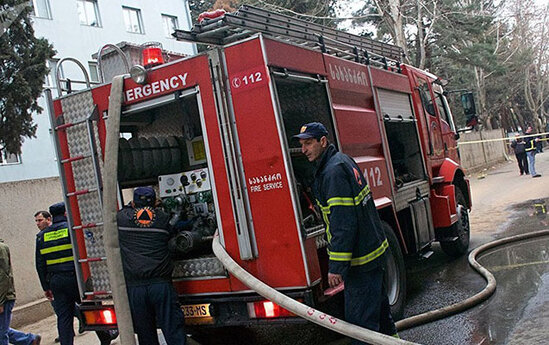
(99, 317)
(267, 310)
(152, 56)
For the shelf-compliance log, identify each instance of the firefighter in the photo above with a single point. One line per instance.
(531, 152)
(55, 267)
(356, 242)
(144, 233)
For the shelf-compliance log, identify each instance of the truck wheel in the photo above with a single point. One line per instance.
(460, 229)
(395, 274)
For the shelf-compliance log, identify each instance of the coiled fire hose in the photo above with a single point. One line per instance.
(357, 332)
(458, 307)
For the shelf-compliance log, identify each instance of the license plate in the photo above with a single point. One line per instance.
(196, 310)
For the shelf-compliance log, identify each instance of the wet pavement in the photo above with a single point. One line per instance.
(504, 204)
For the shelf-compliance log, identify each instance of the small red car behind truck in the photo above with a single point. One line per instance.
(213, 134)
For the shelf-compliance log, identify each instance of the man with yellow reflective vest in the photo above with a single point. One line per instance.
(356, 242)
(55, 267)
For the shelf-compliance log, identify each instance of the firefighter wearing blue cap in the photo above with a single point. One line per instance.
(144, 233)
(55, 267)
(356, 242)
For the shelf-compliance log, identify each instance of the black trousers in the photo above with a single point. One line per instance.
(65, 296)
(155, 304)
(366, 302)
(522, 161)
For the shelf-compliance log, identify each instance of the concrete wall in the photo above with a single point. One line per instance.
(20, 201)
(476, 156)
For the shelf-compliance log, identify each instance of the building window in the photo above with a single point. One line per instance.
(50, 78)
(7, 158)
(133, 20)
(94, 71)
(170, 25)
(88, 12)
(41, 9)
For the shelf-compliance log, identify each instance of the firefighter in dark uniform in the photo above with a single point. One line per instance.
(356, 242)
(55, 267)
(144, 233)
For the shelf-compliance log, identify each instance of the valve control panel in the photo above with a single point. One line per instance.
(188, 182)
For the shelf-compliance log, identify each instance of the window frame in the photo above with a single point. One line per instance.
(95, 12)
(139, 17)
(47, 9)
(4, 158)
(49, 81)
(93, 65)
(169, 19)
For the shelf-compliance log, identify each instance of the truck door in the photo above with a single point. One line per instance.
(433, 137)
(447, 126)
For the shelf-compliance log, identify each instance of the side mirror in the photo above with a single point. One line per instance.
(468, 104)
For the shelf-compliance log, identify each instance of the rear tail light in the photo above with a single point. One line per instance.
(267, 310)
(99, 317)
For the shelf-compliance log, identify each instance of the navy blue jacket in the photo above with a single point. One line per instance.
(143, 234)
(53, 251)
(353, 228)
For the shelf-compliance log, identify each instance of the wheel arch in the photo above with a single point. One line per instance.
(454, 174)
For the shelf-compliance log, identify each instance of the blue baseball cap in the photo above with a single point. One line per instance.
(144, 196)
(312, 130)
(57, 209)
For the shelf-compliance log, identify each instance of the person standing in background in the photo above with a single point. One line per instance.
(9, 335)
(519, 146)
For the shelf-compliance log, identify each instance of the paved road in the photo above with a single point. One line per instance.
(517, 314)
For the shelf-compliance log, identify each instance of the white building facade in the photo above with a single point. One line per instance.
(78, 28)
(30, 182)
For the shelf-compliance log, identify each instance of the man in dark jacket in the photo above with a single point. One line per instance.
(356, 241)
(519, 146)
(55, 267)
(530, 147)
(144, 233)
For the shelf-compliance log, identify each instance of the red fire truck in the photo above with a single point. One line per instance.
(213, 134)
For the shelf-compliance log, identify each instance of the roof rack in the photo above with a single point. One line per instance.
(248, 20)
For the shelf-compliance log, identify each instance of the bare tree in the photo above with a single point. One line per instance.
(536, 78)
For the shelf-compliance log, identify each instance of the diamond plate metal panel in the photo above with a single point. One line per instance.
(201, 267)
(165, 124)
(77, 108)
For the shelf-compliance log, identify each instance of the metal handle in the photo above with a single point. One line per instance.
(116, 49)
(58, 68)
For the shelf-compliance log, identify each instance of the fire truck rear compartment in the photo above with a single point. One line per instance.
(163, 146)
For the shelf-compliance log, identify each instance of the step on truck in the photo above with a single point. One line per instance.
(213, 134)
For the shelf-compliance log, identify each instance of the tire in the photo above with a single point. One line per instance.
(395, 274)
(460, 229)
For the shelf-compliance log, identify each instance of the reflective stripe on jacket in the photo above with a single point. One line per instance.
(530, 143)
(144, 234)
(54, 250)
(353, 228)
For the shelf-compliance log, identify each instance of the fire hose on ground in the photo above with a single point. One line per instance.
(357, 332)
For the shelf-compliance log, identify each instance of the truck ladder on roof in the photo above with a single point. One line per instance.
(249, 20)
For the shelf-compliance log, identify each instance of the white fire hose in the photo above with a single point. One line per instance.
(110, 208)
(301, 309)
(357, 332)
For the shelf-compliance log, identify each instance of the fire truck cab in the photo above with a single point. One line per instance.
(213, 134)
